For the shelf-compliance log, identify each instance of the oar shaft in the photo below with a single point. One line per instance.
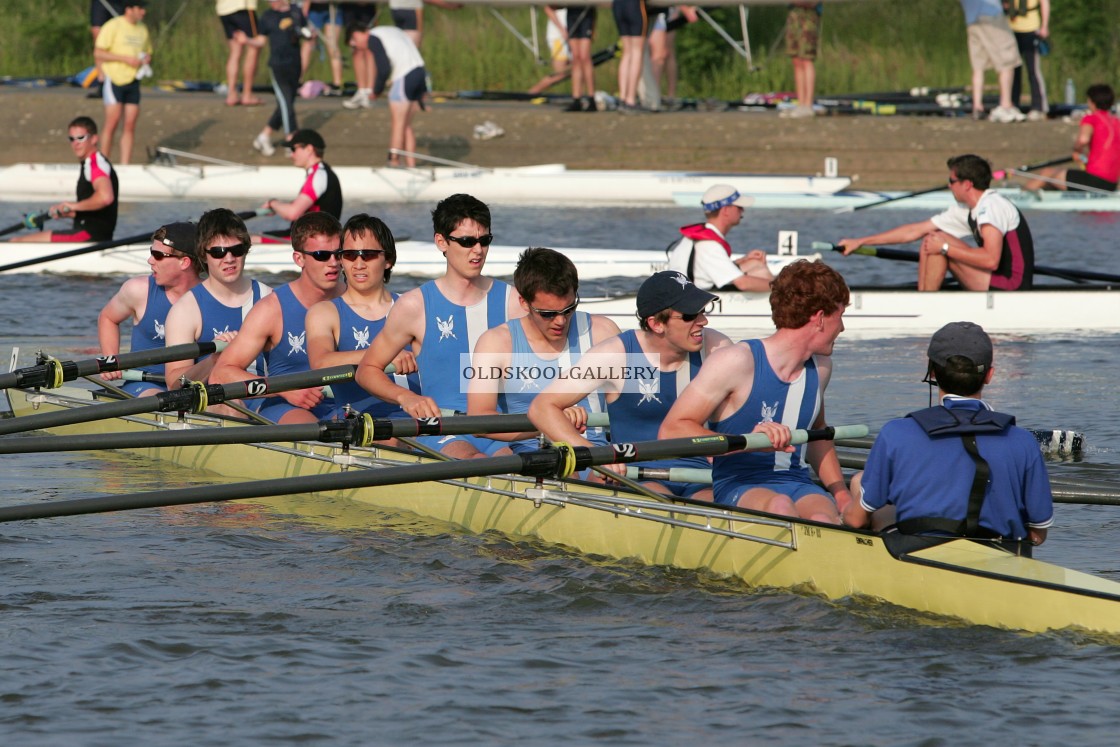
(42, 375)
(908, 255)
(541, 463)
(180, 400)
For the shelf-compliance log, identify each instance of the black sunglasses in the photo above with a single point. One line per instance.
(77, 138)
(353, 255)
(690, 318)
(237, 250)
(468, 242)
(158, 255)
(322, 255)
(552, 314)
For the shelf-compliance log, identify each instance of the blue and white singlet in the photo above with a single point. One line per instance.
(355, 332)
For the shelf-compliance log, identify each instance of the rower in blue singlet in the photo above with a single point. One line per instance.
(772, 386)
(641, 373)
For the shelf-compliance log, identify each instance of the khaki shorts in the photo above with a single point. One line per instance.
(991, 44)
(803, 32)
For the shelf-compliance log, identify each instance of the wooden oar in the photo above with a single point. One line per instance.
(910, 255)
(103, 245)
(50, 373)
(995, 175)
(31, 220)
(195, 398)
(357, 431)
(553, 462)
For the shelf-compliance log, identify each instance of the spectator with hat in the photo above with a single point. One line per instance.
(640, 373)
(321, 190)
(703, 254)
(958, 469)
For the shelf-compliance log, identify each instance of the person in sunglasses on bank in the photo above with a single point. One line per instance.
(277, 327)
(320, 192)
(340, 330)
(441, 321)
(146, 300)
(215, 308)
(514, 361)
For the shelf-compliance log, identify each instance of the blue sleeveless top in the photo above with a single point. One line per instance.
(519, 390)
(148, 332)
(636, 415)
(355, 332)
(796, 404)
(217, 318)
(451, 331)
(291, 353)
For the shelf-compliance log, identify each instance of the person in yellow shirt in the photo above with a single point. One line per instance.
(124, 50)
(1030, 20)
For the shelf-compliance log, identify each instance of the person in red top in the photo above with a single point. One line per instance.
(95, 210)
(1099, 138)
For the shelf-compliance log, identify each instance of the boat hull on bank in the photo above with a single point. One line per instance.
(958, 581)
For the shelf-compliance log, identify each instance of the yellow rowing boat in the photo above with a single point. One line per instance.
(970, 581)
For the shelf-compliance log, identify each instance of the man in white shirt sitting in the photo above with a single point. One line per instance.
(703, 254)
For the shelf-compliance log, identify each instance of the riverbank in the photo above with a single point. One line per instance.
(879, 152)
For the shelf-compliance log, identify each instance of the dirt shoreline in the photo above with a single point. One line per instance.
(879, 152)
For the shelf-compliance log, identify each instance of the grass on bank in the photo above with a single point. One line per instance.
(872, 45)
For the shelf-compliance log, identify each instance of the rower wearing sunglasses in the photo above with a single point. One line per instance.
(340, 330)
(441, 320)
(321, 190)
(671, 344)
(514, 361)
(277, 325)
(215, 308)
(772, 386)
(95, 210)
(147, 300)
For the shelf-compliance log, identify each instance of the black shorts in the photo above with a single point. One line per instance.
(363, 13)
(111, 93)
(405, 19)
(1085, 179)
(581, 22)
(630, 17)
(99, 15)
(243, 20)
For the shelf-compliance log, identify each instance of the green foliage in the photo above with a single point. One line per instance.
(873, 45)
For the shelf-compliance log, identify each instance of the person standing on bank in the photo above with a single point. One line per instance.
(280, 28)
(124, 51)
(959, 469)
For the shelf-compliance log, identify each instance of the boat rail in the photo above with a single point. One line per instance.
(552, 493)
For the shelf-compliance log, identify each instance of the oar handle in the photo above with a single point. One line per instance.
(50, 373)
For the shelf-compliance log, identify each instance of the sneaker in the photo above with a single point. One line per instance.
(359, 100)
(800, 112)
(333, 90)
(574, 106)
(1034, 115)
(1007, 114)
(586, 104)
(263, 146)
